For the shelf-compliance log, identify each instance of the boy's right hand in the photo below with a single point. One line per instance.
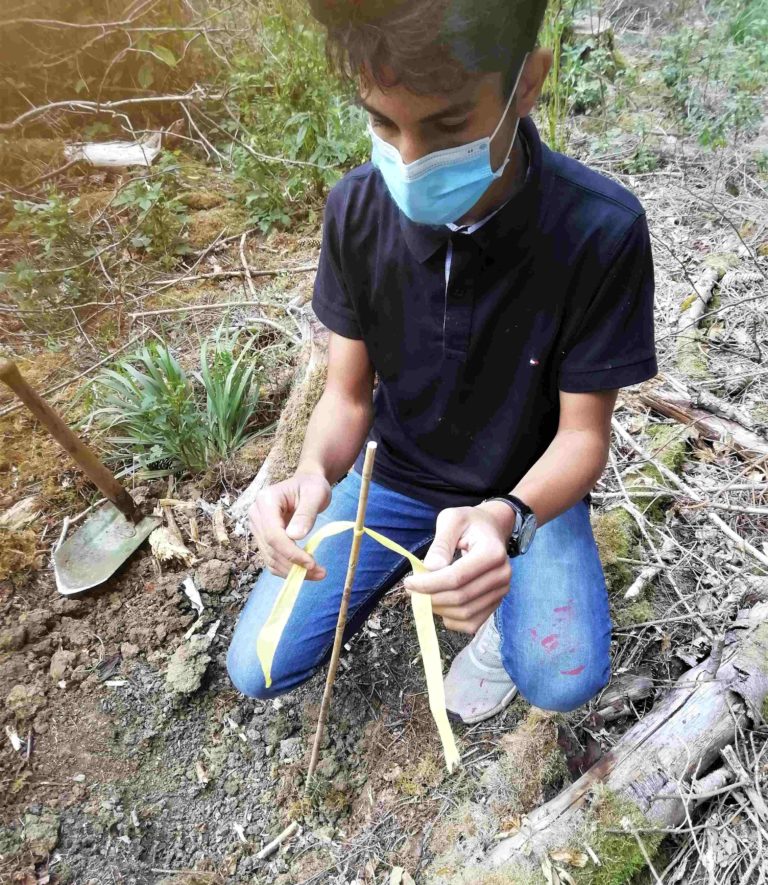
(283, 514)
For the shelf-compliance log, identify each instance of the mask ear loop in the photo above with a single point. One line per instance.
(512, 95)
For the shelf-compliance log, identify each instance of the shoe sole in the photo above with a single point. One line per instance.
(488, 714)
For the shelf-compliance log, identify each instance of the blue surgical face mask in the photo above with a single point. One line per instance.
(442, 186)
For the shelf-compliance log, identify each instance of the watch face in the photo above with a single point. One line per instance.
(527, 531)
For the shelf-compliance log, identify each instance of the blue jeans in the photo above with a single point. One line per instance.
(554, 622)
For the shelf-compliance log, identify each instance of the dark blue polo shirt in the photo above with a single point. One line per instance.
(554, 293)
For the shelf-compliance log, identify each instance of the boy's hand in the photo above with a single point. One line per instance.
(285, 513)
(466, 592)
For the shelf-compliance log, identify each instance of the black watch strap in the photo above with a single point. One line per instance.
(526, 516)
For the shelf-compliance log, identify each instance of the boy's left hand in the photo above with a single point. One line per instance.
(466, 592)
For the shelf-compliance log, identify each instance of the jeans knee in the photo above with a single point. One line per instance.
(564, 691)
(247, 677)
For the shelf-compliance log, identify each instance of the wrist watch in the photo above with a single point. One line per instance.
(525, 524)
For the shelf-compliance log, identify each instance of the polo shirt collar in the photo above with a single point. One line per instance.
(518, 216)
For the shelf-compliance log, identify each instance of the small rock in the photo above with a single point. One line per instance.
(328, 767)
(41, 832)
(75, 632)
(36, 622)
(232, 785)
(24, 700)
(13, 639)
(128, 649)
(61, 663)
(161, 631)
(187, 665)
(290, 748)
(213, 576)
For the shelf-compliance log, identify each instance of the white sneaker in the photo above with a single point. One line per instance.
(477, 685)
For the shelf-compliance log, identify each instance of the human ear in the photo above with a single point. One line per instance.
(537, 66)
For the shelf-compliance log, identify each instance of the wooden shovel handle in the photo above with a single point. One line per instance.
(73, 445)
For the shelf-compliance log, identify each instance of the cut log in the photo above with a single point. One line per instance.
(697, 411)
(652, 775)
(289, 436)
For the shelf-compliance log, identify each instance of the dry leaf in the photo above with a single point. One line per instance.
(570, 857)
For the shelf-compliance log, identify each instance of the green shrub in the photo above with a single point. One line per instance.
(155, 216)
(57, 267)
(290, 109)
(158, 416)
(716, 75)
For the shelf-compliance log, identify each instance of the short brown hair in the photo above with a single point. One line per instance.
(428, 46)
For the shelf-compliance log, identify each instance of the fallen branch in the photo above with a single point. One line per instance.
(741, 543)
(103, 106)
(235, 272)
(712, 419)
(289, 436)
(653, 767)
(271, 847)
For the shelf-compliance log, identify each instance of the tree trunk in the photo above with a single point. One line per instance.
(649, 774)
(291, 428)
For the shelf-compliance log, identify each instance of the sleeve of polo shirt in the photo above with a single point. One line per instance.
(331, 300)
(613, 342)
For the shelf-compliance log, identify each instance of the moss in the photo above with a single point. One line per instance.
(17, 551)
(616, 537)
(669, 445)
(294, 419)
(91, 204)
(620, 855)
(722, 261)
(420, 778)
(25, 159)
(638, 612)
(532, 762)
(509, 874)
(202, 199)
(203, 227)
(690, 355)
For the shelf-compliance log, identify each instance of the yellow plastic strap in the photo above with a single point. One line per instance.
(421, 604)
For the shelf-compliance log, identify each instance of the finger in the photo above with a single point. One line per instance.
(490, 582)
(449, 528)
(474, 608)
(280, 567)
(471, 626)
(483, 557)
(273, 539)
(311, 499)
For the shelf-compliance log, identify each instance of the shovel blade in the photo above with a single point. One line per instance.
(98, 548)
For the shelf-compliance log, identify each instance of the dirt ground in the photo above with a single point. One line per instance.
(139, 762)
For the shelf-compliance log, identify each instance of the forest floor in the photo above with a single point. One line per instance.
(140, 763)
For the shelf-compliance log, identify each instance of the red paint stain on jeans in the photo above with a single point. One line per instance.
(550, 642)
(534, 634)
(574, 672)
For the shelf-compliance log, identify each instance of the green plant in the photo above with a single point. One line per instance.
(716, 76)
(155, 216)
(56, 269)
(231, 393)
(152, 414)
(554, 99)
(155, 414)
(295, 134)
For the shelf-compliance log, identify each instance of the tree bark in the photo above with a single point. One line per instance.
(291, 428)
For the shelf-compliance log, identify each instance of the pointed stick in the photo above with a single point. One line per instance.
(357, 536)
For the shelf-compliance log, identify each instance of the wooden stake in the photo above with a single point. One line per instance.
(357, 536)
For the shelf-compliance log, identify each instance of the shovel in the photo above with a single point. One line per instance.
(108, 537)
